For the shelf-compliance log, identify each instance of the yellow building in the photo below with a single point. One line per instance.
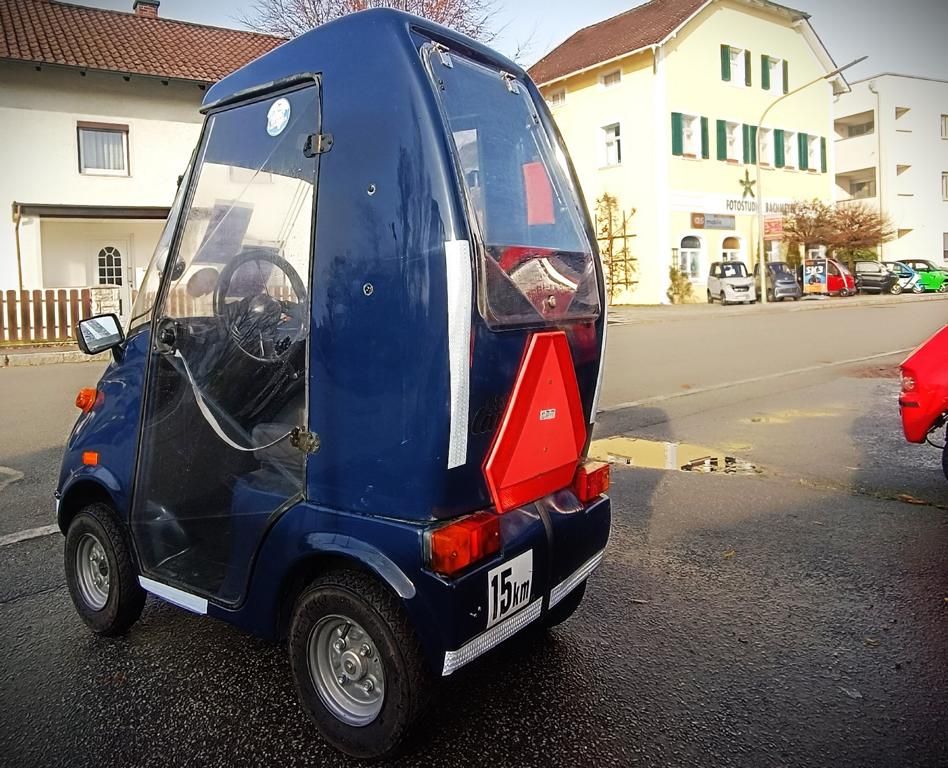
(659, 109)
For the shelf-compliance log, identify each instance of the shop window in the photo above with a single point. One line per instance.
(103, 149)
(689, 257)
(612, 145)
(731, 249)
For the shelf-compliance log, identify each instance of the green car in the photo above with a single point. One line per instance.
(930, 277)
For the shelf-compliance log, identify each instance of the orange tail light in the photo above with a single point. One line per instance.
(455, 546)
(592, 480)
(86, 399)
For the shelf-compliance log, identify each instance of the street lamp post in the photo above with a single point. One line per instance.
(761, 261)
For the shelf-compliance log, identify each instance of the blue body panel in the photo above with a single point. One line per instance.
(379, 385)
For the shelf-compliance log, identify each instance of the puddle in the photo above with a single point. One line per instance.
(786, 417)
(657, 454)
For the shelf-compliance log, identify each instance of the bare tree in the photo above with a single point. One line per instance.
(857, 230)
(289, 18)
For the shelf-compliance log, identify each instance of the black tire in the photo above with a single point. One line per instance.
(126, 598)
(565, 607)
(710, 298)
(723, 300)
(771, 297)
(408, 683)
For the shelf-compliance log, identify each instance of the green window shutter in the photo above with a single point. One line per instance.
(677, 143)
(765, 71)
(705, 145)
(753, 142)
(747, 69)
(779, 158)
(802, 151)
(786, 76)
(745, 129)
(726, 63)
(722, 140)
(822, 154)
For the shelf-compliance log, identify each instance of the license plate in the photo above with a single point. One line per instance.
(508, 587)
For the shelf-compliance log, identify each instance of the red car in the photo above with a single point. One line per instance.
(839, 280)
(923, 402)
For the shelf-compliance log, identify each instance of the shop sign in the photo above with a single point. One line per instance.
(814, 276)
(773, 227)
(713, 221)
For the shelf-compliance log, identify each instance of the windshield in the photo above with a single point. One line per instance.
(537, 263)
(733, 269)
(779, 267)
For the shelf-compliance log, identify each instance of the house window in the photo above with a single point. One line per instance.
(691, 135)
(860, 129)
(735, 65)
(813, 152)
(689, 256)
(109, 267)
(771, 74)
(611, 78)
(735, 142)
(944, 185)
(557, 98)
(944, 247)
(731, 249)
(766, 146)
(103, 149)
(860, 190)
(790, 153)
(612, 144)
(944, 126)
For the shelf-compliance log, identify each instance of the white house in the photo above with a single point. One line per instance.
(903, 121)
(98, 118)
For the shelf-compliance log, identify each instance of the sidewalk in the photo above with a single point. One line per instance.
(51, 354)
(627, 315)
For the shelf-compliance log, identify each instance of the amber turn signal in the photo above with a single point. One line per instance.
(591, 481)
(455, 546)
(90, 458)
(86, 399)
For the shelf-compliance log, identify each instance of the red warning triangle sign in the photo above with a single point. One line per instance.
(538, 445)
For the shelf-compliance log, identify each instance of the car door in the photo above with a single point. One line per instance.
(714, 283)
(226, 384)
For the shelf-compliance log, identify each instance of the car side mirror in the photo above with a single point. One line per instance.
(100, 333)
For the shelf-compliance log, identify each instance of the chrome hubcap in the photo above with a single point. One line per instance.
(346, 670)
(92, 572)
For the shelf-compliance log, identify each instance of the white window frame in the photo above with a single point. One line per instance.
(791, 150)
(556, 98)
(103, 128)
(610, 79)
(944, 185)
(608, 139)
(813, 153)
(738, 253)
(944, 126)
(768, 156)
(691, 135)
(734, 133)
(738, 72)
(776, 74)
(698, 253)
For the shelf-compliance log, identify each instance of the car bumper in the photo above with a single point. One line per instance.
(787, 292)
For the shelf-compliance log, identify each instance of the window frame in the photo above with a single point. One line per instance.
(551, 99)
(944, 126)
(605, 76)
(693, 275)
(768, 155)
(738, 142)
(119, 128)
(616, 141)
(791, 150)
(775, 74)
(691, 148)
(944, 186)
(813, 160)
(738, 70)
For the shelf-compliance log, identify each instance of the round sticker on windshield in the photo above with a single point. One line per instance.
(278, 117)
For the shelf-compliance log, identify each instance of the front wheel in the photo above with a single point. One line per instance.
(357, 664)
(100, 574)
(896, 289)
(710, 298)
(943, 287)
(918, 288)
(723, 300)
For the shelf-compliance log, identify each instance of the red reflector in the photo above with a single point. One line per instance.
(453, 547)
(592, 480)
(86, 399)
(90, 458)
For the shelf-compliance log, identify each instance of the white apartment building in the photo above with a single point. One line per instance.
(892, 152)
(99, 116)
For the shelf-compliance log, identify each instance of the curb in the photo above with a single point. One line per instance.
(30, 359)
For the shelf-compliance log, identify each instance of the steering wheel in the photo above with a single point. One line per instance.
(262, 325)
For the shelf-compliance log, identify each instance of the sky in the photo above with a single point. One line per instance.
(904, 36)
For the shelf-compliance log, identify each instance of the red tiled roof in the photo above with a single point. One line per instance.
(51, 32)
(637, 28)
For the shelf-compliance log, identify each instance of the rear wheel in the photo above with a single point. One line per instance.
(357, 664)
(565, 607)
(918, 288)
(896, 289)
(710, 298)
(943, 287)
(100, 574)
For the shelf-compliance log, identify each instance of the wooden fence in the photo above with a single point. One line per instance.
(35, 317)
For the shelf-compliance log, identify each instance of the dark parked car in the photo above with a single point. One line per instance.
(781, 281)
(873, 277)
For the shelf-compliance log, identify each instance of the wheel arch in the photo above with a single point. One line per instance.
(79, 494)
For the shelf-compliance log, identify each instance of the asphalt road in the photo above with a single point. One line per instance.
(795, 617)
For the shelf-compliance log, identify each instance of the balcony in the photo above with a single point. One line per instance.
(856, 185)
(855, 153)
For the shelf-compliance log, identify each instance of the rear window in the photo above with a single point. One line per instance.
(537, 263)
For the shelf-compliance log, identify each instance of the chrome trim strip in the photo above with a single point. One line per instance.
(174, 596)
(566, 586)
(454, 660)
(457, 257)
